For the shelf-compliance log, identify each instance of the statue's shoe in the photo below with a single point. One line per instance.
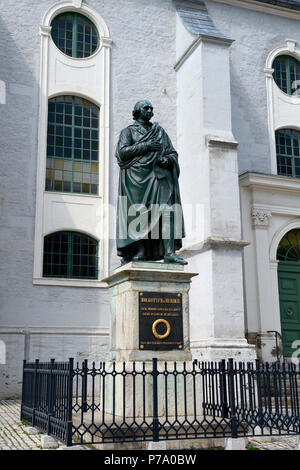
(172, 258)
(139, 258)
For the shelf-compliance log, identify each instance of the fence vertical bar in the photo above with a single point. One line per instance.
(233, 418)
(50, 394)
(259, 395)
(84, 385)
(23, 388)
(35, 382)
(70, 403)
(223, 389)
(155, 401)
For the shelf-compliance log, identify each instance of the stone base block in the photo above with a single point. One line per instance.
(219, 349)
(132, 395)
(161, 445)
(179, 444)
(235, 444)
(126, 286)
(48, 442)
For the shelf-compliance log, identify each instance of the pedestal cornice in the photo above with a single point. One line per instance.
(151, 272)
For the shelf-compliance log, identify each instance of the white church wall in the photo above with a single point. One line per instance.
(142, 59)
(255, 35)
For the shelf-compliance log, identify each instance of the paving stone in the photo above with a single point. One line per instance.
(30, 430)
(48, 442)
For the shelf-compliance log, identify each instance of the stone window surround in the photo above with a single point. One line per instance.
(279, 104)
(266, 236)
(102, 55)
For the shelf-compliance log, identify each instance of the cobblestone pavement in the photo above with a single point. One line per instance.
(15, 435)
(275, 443)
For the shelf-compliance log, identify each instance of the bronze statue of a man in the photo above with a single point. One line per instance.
(148, 186)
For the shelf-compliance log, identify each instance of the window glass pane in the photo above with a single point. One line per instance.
(70, 255)
(287, 149)
(72, 145)
(289, 246)
(287, 73)
(75, 35)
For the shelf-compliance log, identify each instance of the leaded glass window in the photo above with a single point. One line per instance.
(289, 246)
(288, 152)
(72, 145)
(70, 255)
(75, 35)
(287, 74)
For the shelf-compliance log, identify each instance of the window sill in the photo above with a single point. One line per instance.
(43, 281)
(61, 193)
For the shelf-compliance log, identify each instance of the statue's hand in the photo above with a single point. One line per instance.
(154, 145)
(163, 161)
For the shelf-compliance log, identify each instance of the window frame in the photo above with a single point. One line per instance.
(278, 101)
(70, 254)
(55, 67)
(55, 158)
(288, 58)
(74, 39)
(292, 157)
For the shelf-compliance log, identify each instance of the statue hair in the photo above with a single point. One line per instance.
(136, 109)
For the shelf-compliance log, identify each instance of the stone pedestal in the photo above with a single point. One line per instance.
(126, 285)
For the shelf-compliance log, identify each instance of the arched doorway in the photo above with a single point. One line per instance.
(288, 256)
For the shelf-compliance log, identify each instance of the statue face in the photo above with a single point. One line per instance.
(146, 110)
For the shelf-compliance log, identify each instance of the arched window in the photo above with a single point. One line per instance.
(74, 34)
(289, 246)
(72, 145)
(288, 152)
(287, 73)
(70, 255)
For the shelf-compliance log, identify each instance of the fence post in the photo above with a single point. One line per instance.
(84, 385)
(23, 388)
(259, 395)
(70, 403)
(155, 400)
(34, 390)
(50, 396)
(233, 419)
(223, 389)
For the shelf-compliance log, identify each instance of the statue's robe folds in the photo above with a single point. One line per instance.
(145, 186)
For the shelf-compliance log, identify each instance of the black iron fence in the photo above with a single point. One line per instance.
(115, 402)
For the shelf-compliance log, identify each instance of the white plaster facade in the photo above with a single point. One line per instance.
(215, 95)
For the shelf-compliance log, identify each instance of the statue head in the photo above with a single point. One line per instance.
(142, 109)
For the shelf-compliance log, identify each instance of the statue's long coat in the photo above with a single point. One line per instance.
(143, 183)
